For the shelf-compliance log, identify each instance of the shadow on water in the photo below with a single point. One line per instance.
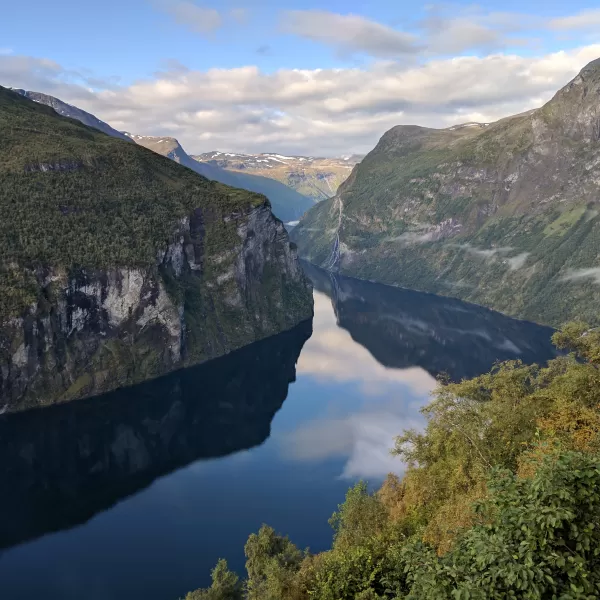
(403, 328)
(62, 465)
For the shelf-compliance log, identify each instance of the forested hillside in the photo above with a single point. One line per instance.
(500, 499)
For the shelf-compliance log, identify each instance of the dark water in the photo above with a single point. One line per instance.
(137, 494)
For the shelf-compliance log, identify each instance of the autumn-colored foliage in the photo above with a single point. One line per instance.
(500, 498)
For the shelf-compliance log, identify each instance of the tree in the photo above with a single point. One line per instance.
(226, 585)
(272, 561)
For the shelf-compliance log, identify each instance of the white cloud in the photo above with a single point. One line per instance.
(363, 436)
(592, 273)
(319, 111)
(441, 32)
(5, 51)
(239, 14)
(518, 261)
(197, 18)
(587, 19)
(349, 33)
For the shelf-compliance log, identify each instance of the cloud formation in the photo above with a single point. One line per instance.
(587, 19)
(326, 112)
(440, 33)
(197, 18)
(592, 273)
(350, 33)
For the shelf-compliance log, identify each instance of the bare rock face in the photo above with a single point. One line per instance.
(219, 284)
(504, 214)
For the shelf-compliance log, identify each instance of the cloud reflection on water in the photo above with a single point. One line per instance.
(369, 403)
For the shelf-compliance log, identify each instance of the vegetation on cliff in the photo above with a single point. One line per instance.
(73, 196)
(500, 499)
(119, 265)
(502, 214)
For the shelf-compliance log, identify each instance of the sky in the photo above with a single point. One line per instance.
(292, 76)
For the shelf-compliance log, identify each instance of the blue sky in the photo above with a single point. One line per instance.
(128, 39)
(105, 56)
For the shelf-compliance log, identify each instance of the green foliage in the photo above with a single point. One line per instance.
(501, 498)
(271, 562)
(537, 538)
(73, 196)
(226, 585)
(361, 515)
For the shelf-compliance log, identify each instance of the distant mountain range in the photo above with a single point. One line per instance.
(287, 203)
(316, 177)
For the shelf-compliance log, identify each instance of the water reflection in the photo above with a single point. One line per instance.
(378, 350)
(365, 403)
(404, 329)
(63, 464)
(222, 450)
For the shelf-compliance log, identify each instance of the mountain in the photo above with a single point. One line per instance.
(505, 214)
(318, 178)
(68, 110)
(64, 464)
(403, 328)
(287, 204)
(118, 265)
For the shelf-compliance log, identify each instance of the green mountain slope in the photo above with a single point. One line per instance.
(503, 214)
(287, 204)
(118, 265)
(68, 110)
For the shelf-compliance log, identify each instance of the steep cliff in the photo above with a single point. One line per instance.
(119, 265)
(503, 214)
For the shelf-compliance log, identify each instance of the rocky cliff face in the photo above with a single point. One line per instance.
(118, 265)
(503, 214)
(94, 330)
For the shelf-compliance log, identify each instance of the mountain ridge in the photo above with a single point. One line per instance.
(69, 110)
(287, 204)
(478, 212)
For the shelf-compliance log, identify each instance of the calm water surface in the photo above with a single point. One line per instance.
(136, 494)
